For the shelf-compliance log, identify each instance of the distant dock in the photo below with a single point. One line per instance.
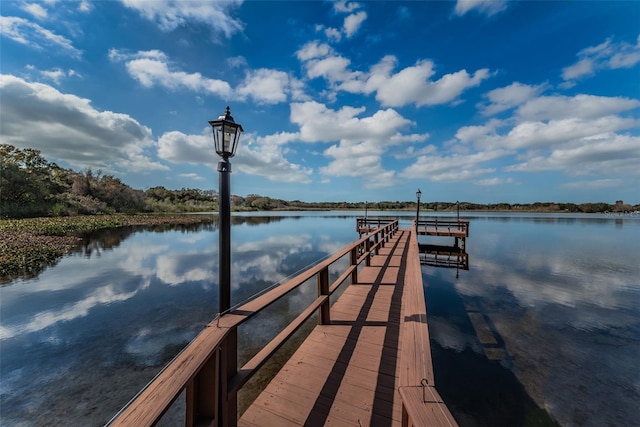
(457, 228)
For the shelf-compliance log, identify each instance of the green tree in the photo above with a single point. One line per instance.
(25, 184)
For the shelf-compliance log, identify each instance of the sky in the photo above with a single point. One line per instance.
(483, 101)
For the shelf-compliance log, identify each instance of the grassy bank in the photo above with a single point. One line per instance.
(29, 245)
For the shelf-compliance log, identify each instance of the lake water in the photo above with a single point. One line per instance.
(546, 320)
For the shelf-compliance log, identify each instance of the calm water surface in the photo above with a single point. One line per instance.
(559, 296)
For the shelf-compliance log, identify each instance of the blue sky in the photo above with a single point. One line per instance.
(474, 100)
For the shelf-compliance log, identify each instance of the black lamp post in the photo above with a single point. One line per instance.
(226, 134)
(418, 194)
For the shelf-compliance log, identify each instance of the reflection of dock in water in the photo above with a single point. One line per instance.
(444, 256)
(492, 343)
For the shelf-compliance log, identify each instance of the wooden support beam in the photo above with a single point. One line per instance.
(323, 289)
(228, 402)
(202, 394)
(354, 263)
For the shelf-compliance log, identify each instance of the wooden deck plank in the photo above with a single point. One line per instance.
(352, 401)
(349, 373)
(303, 375)
(433, 412)
(368, 274)
(379, 261)
(261, 417)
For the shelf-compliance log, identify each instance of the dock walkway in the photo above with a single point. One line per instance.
(351, 371)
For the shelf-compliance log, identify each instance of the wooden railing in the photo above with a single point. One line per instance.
(444, 227)
(207, 368)
(367, 224)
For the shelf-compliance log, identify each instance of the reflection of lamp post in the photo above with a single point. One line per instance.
(226, 134)
(418, 194)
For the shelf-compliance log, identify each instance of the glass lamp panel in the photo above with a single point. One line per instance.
(230, 140)
(226, 141)
(217, 138)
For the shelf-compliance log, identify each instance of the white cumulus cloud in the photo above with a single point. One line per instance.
(55, 74)
(171, 14)
(264, 158)
(345, 6)
(411, 85)
(488, 7)
(505, 98)
(153, 68)
(35, 9)
(575, 135)
(353, 22)
(608, 55)
(579, 106)
(35, 36)
(452, 167)
(266, 86)
(65, 126)
(270, 86)
(361, 141)
(607, 152)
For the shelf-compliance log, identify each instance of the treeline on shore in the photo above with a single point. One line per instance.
(255, 202)
(31, 186)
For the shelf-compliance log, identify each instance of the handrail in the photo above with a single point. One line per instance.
(448, 224)
(363, 224)
(198, 367)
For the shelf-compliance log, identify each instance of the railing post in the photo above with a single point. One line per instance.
(354, 261)
(323, 289)
(202, 393)
(367, 248)
(376, 240)
(229, 367)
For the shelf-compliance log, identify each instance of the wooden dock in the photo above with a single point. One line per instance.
(444, 227)
(367, 362)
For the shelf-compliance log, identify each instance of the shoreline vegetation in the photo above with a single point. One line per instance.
(29, 245)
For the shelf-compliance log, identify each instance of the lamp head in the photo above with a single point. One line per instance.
(226, 134)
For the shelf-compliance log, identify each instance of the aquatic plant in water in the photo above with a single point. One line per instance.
(30, 245)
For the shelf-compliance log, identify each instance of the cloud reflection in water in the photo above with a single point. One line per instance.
(564, 299)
